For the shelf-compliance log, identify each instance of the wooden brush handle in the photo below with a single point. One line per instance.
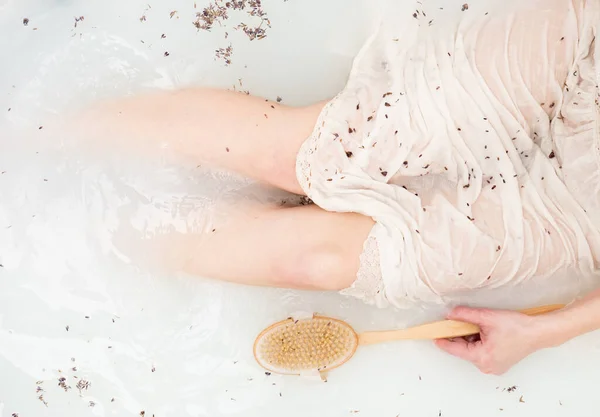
(440, 329)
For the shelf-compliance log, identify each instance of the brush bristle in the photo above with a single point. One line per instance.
(296, 346)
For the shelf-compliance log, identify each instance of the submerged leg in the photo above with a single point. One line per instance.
(252, 136)
(301, 248)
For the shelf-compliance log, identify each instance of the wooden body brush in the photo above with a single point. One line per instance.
(319, 344)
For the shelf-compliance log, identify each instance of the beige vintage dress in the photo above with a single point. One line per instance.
(470, 134)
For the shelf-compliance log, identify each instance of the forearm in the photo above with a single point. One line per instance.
(578, 318)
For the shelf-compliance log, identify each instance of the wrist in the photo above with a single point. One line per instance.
(578, 318)
(552, 330)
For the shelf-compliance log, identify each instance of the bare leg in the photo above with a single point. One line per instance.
(302, 248)
(254, 137)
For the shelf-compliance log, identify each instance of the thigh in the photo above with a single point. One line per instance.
(250, 135)
(302, 248)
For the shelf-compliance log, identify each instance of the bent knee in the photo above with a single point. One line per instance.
(325, 269)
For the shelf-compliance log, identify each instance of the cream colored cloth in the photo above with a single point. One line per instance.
(470, 134)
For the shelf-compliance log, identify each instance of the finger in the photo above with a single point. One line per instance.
(473, 338)
(477, 316)
(459, 348)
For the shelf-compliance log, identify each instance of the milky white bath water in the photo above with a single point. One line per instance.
(91, 325)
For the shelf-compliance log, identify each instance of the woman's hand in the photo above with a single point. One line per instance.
(506, 338)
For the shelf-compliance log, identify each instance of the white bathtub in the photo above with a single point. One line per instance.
(80, 295)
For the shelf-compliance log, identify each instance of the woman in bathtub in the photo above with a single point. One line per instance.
(460, 157)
